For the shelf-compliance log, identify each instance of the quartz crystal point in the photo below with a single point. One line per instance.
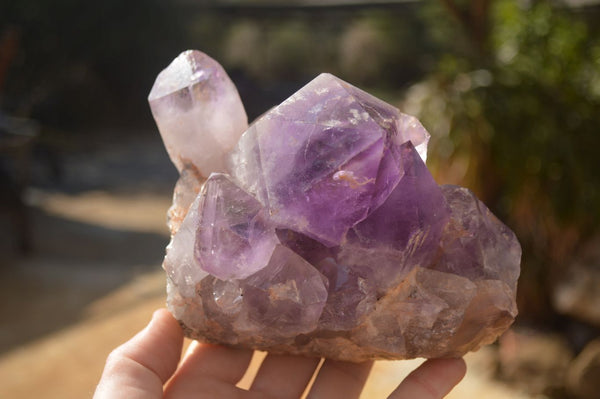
(322, 232)
(235, 238)
(198, 112)
(200, 117)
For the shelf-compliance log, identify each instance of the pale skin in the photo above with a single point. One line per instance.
(149, 366)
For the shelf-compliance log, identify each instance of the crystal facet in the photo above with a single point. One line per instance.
(336, 161)
(235, 238)
(324, 233)
(198, 112)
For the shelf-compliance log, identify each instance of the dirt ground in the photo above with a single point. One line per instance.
(94, 278)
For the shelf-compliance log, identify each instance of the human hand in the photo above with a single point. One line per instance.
(147, 366)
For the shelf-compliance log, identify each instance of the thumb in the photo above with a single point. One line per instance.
(140, 367)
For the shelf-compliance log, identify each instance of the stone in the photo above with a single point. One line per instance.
(186, 190)
(322, 233)
(337, 160)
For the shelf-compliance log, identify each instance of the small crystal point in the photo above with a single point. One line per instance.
(288, 295)
(181, 265)
(194, 88)
(413, 214)
(475, 243)
(235, 238)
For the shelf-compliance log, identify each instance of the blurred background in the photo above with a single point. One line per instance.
(509, 90)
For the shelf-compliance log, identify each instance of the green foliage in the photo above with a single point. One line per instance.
(532, 108)
(519, 122)
(544, 108)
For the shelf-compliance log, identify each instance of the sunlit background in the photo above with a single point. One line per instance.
(509, 90)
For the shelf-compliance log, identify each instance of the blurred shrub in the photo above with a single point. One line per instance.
(280, 50)
(518, 121)
(289, 48)
(363, 50)
(244, 47)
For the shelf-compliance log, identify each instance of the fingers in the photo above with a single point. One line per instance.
(140, 367)
(432, 380)
(340, 380)
(284, 376)
(209, 370)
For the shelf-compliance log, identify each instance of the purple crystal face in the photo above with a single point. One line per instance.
(285, 298)
(234, 238)
(476, 244)
(405, 230)
(329, 237)
(324, 158)
(288, 295)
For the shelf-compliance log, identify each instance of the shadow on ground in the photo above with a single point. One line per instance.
(72, 265)
(93, 231)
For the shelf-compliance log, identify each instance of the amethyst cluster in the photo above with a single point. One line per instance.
(319, 230)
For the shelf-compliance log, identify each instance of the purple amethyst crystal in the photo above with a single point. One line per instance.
(405, 230)
(327, 235)
(324, 159)
(235, 238)
(283, 299)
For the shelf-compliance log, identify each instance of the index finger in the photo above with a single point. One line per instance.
(140, 367)
(434, 379)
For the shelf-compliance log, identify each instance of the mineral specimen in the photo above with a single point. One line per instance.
(321, 231)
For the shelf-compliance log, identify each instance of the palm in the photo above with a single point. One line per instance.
(147, 367)
(214, 371)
